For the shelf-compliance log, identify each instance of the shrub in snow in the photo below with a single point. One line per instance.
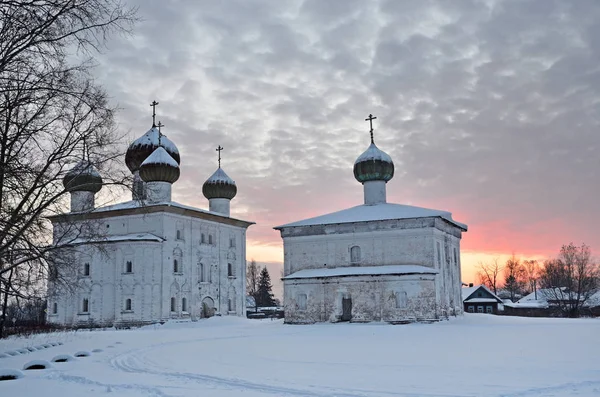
(36, 364)
(10, 374)
(63, 358)
(23, 351)
(97, 351)
(82, 354)
(31, 349)
(47, 345)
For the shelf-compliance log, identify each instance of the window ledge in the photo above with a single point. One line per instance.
(231, 312)
(126, 311)
(178, 273)
(127, 273)
(231, 277)
(53, 315)
(83, 314)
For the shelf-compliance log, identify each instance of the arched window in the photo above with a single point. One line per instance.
(183, 304)
(86, 269)
(201, 271)
(202, 239)
(401, 299)
(355, 254)
(85, 307)
(231, 305)
(178, 234)
(301, 300)
(175, 266)
(129, 267)
(54, 308)
(173, 304)
(210, 239)
(127, 304)
(229, 270)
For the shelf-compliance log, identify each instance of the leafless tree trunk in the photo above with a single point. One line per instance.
(51, 111)
(571, 279)
(514, 277)
(531, 269)
(489, 274)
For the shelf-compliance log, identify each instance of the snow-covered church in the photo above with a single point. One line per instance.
(149, 259)
(373, 262)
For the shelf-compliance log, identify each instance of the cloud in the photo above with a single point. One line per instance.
(488, 108)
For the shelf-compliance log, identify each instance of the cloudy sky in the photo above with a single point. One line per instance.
(489, 109)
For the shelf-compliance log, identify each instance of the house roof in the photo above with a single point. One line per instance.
(361, 271)
(378, 212)
(469, 291)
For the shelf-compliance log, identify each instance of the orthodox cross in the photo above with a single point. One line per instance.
(219, 150)
(370, 120)
(160, 124)
(153, 104)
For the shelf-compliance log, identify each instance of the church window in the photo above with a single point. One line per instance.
(128, 304)
(202, 238)
(210, 239)
(179, 231)
(201, 271)
(85, 307)
(232, 242)
(355, 254)
(86, 269)
(401, 299)
(455, 257)
(175, 266)
(183, 304)
(231, 305)
(178, 234)
(129, 267)
(54, 308)
(439, 253)
(230, 270)
(173, 304)
(302, 298)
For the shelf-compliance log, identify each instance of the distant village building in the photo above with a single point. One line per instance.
(479, 299)
(148, 259)
(373, 262)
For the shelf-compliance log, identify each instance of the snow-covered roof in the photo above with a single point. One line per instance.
(481, 300)
(378, 212)
(220, 176)
(118, 238)
(160, 156)
(361, 271)
(373, 153)
(468, 291)
(151, 138)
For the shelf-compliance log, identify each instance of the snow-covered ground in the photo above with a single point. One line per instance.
(478, 355)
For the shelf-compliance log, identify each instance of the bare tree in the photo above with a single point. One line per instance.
(252, 278)
(514, 277)
(571, 279)
(531, 270)
(489, 274)
(52, 115)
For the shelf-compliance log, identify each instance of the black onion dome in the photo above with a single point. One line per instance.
(141, 148)
(373, 165)
(219, 185)
(159, 167)
(83, 178)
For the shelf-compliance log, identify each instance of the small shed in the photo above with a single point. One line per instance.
(479, 299)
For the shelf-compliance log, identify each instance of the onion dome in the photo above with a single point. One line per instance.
(83, 178)
(141, 148)
(219, 185)
(159, 167)
(373, 165)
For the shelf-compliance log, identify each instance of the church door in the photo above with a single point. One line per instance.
(346, 309)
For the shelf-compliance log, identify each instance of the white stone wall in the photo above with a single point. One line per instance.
(399, 242)
(153, 279)
(373, 299)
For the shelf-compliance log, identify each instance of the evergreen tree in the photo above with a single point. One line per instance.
(264, 295)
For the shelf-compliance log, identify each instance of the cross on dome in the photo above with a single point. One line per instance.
(370, 120)
(219, 150)
(153, 104)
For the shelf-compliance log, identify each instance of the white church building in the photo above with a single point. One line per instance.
(374, 262)
(149, 259)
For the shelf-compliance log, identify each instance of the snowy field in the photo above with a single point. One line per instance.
(478, 355)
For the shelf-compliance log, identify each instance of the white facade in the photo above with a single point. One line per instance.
(152, 263)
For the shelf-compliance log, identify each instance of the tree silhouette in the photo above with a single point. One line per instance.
(264, 295)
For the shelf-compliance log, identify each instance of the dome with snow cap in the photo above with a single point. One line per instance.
(83, 178)
(144, 146)
(159, 167)
(373, 165)
(219, 185)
